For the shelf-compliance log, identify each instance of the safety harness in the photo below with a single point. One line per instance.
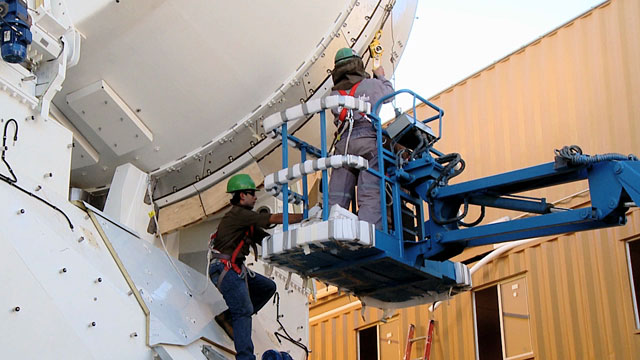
(229, 261)
(345, 115)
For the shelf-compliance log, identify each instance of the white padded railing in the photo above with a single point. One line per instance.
(274, 181)
(274, 121)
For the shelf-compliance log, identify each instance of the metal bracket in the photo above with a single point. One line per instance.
(161, 353)
(211, 354)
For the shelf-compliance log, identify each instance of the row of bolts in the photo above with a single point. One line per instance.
(38, 188)
(98, 280)
(64, 270)
(93, 323)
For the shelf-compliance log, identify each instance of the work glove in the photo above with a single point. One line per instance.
(315, 212)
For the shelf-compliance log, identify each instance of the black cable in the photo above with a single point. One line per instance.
(400, 161)
(427, 144)
(459, 171)
(4, 178)
(61, 50)
(286, 336)
(476, 222)
(393, 60)
(11, 26)
(449, 172)
(5, 148)
(13, 181)
(387, 12)
(421, 144)
(385, 16)
(434, 217)
(452, 161)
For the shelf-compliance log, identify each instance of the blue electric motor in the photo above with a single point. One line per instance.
(275, 355)
(15, 28)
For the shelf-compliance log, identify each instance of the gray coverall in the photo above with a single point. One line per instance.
(363, 143)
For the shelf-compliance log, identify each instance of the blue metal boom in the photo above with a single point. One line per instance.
(410, 254)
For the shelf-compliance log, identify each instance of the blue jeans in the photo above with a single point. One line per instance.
(242, 303)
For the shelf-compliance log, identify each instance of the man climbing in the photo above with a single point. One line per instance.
(244, 291)
(356, 135)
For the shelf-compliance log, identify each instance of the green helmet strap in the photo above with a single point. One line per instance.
(240, 182)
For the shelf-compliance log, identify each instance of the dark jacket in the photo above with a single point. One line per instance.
(236, 226)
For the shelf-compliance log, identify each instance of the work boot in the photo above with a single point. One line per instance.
(224, 320)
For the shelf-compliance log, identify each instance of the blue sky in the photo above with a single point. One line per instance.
(452, 39)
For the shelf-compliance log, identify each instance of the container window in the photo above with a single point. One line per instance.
(502, 321)
(488, 324)
(368, 343)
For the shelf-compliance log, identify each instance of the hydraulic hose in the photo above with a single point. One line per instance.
(574, 156)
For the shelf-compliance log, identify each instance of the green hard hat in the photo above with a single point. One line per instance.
(240, 182)
(344, 54)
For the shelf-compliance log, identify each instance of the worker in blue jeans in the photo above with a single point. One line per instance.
(244, 291)
(242, 304)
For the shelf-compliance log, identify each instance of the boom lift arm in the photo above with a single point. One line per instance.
(405, 262)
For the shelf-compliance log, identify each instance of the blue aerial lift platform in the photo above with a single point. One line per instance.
(407, 258)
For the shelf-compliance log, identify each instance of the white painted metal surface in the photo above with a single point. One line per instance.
(112, 120)
(125, 201)
(194, 68)
(18, 82)
(44, 46)
(177, 316)
(83, 153)
(294, 312)
(42, 154)
(63, 280)
(73, 300)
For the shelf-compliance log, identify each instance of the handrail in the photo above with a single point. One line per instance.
(274, 181)
(376, 108)
(382, 153)
(312, 107)
(280, 120)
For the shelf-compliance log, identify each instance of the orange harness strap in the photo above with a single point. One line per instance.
(343, 113)
(230, 263)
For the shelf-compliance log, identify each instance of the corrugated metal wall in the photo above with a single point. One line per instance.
(577, 85)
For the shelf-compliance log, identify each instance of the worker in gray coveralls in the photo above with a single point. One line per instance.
(350, 78)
